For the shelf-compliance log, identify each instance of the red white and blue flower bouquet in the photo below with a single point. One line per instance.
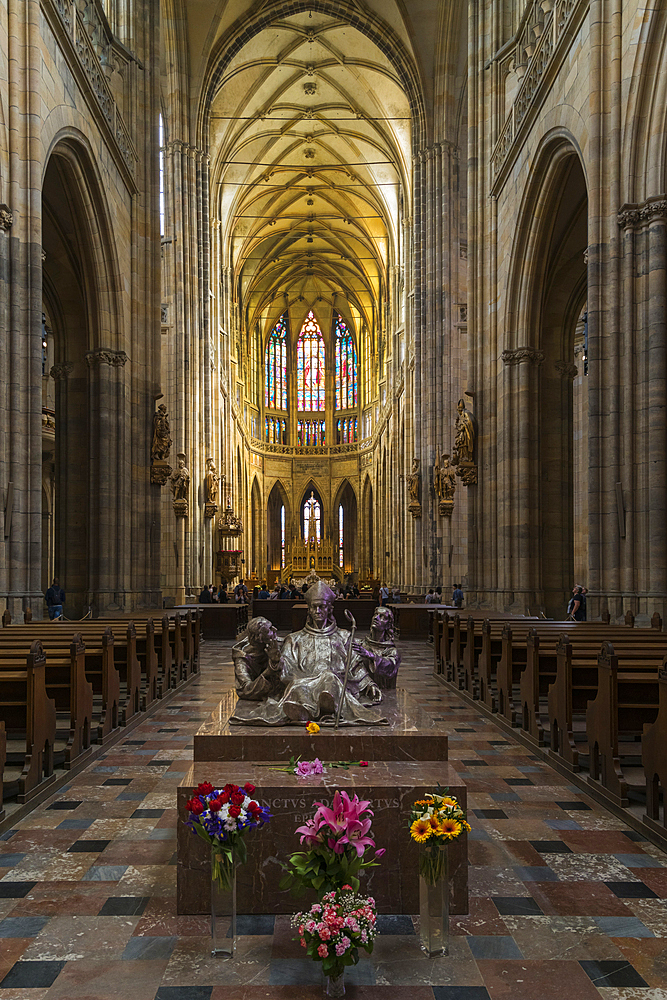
(221, 817)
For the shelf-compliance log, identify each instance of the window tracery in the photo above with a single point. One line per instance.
(346, 366)
(310, 361)
(276, 366)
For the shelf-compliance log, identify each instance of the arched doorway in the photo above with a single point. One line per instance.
(278, 522)
(81, 333)
(345, 530)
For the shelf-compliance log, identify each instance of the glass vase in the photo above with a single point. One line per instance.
(335, 985)
(434, 899)
(223, 903)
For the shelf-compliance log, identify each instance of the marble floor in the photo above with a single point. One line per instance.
(565, 902)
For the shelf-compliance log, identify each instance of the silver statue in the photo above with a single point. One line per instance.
(379, 649)
(310, 671)
(257, 662)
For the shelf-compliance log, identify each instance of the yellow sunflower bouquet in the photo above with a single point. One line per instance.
(434, 821)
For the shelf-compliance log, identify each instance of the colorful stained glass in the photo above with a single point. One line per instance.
(312, 512)
(276, 366)
(282, 537)
(340, 536)
(310, 360)
(346, 365)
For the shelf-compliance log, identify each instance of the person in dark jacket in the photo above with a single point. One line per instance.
(205, 596)
(55, 598)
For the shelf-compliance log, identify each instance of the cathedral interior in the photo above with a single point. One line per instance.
(373, 290)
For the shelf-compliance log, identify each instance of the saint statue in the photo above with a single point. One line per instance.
(180, 480)
(465, 435)
(413, 482)
(311, 671)
(444, 479)
(379, 649)
(257, 662)
(161, 443)
(211, 480)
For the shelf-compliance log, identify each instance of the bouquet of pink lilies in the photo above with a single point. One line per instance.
(337, 840)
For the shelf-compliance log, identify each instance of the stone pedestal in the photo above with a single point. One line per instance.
(410, 735)
(392, 787)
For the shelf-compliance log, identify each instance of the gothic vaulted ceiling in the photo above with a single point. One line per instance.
(310, 144)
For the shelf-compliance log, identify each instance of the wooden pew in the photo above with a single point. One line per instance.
(626, 702)
(30, 717)
(654, 759)
(67, 684)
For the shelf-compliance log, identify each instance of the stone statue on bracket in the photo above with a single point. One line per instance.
(306, 683)
(160, 447)
(414, 484)
(464, 445)
(180, 485)
(444, 483)
(211, 480)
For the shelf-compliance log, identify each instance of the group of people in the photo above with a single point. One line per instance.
(290, 592)
(219, 595)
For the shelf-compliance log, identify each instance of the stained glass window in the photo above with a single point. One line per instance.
(312, 512)
(346, 366)
(282, 536)
(340, 536)
(347, 430)
(276, 366)
(310, 366)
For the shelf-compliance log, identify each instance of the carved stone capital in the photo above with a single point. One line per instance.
(566, 369)
(6, 218)
(59, 372)
(115, 359)
(160, 472)
(415, 509)
(467, 473)
(181, 508)
(523, 356)
(652, 210)
(446, 508)
(210, 509)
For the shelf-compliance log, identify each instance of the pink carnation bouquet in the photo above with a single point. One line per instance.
(333, 931)
(338, 841)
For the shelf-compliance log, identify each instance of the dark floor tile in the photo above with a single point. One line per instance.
(31, 975)
(11, 860)
(637, 838)
(8, 834)
(465, 730)
(124, 906)
(516, 906)
(80, 823)
(610, 973)
(255, 923)
(65, 804)
(147, 813)
(475, 763)
(519, 781)
(494, 946)
(15, 890)
(133, 743)
(550, 847)
(499, 743)
(490, 813)
(167, 730)
(568, 806)
(460, 993)
(631, 890)
(160, 763)
(184, 993)
(131, 796)
(118, 781)
(88, 846)
(394, 923)
(22, 927)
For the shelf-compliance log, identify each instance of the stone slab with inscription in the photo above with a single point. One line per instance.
(391, 787)
(410, 735)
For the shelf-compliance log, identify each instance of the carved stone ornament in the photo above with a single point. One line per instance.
(6, 218)
(638, 215)
(210, 509)
(180, 483)
(566, 369)
(468, 473)
(181, 508)
(211, 480)
(444, 484)
(160, 472)
(59, 372)
(446, 508)
(115, 359)
(523, 356)
(161, 443)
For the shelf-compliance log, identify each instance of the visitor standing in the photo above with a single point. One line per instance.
(241, 593)
(55, 598)
(457, 596)
(205, 596)
(384, 594)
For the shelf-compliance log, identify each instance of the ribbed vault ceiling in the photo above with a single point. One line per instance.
(310, 150)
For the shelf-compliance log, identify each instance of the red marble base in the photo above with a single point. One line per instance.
(410, 735)
(392, 787)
